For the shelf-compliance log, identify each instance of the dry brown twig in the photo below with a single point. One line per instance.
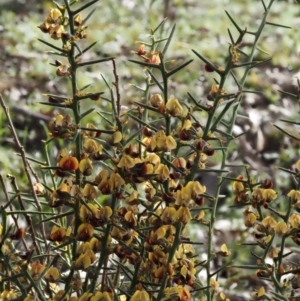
(28, 170)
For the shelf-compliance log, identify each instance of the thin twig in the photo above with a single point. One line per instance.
(27, 217)
(11, 209)
(104, 276)
(4, 188)
(26, 164)
(116, 84)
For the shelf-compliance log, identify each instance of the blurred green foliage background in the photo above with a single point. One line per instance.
(118, 26)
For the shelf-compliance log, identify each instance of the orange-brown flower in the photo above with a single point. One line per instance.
(36, 270)
(91, 133)
(132, 199)
(68, 163)
(85, 232)
(45, 27)
(57, 234)
(102, 175)
(105, 187)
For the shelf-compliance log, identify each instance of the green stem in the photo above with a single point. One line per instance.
(76, 112)
(230, 129)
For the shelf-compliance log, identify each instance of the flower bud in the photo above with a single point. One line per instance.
(267, 184)
(209, 68)
(147, 132)
(156, 100)
(141, 50)
(19, 234)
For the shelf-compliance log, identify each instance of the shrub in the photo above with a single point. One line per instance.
(112, 215)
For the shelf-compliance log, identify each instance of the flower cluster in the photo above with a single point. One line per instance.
(152, 57)
(55, 23)
(271, 227)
